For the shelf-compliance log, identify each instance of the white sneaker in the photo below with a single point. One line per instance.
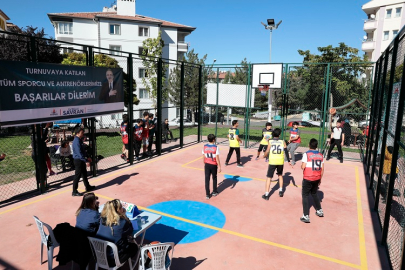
(305, 219)
(319, 213)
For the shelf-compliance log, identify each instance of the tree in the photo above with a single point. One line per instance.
(102, 60)
(191, 82)
(307, 84)
(152, 51)
(17, 48)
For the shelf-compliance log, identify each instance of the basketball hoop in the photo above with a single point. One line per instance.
(264, 89)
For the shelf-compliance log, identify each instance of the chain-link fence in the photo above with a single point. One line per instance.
(384, 162)
(166, 89)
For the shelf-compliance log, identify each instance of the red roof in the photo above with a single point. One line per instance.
(113, 15)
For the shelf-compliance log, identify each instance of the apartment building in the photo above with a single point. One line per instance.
(384, 20)
(3, 21)
(120, 28)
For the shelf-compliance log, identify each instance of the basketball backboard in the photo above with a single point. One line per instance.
(267, 74)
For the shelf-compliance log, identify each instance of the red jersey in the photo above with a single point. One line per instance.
(124, 133)
(210, 152)
(145, 133)
(294, 134)
(138, 131)
(313, 169)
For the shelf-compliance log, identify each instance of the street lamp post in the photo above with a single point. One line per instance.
(270, 26)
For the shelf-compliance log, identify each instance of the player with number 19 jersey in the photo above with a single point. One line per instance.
(313, 168)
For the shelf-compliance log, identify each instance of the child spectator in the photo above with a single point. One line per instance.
(66, 155)
(138, 131)
(145, 134)
(313, 167)
(267, 131)
(152, 128)
(166, 131)
(124, 136)
(212, 165)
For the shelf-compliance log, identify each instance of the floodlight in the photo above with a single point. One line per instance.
(270, 22)
(278, 24)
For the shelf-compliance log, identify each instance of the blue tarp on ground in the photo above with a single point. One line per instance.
(70, 121)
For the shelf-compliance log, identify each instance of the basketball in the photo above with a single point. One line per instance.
(332, 111)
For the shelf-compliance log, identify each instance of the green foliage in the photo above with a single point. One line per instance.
(101, 60)
(17, 48)
(191, 81)
(307, 83)
(153, 49)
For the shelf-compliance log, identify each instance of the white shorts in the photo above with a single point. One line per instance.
(145, 141)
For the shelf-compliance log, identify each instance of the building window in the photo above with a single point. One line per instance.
(398, 12)
(65, 28)
(2, 25)
(143, 32)
(115, 29)
(389, 11)
(386, 35)
(141, 49)
(177, 112)
(143, 73)
(394, 33)
(143, 93)
(67, 50)
(116, 48)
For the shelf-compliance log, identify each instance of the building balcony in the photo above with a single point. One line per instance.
(182, 46)
(368, 45)
(370, 25)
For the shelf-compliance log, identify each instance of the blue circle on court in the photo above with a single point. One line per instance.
(182, 231)
(237, 178)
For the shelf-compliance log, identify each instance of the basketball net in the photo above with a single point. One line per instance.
(264, 89)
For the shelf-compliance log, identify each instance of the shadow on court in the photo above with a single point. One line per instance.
(228, 183)
(186, 263)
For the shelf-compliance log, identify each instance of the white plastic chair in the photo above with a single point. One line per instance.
(44, 240)
(99, 248)
(158, 253)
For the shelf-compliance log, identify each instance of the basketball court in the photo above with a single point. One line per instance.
(235, 230)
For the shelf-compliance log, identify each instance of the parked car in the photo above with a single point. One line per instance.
(305, 123)
(176, 122)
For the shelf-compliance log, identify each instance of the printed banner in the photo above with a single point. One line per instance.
(41, 92)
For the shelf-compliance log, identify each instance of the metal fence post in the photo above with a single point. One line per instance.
(378, 126)
(92, 128)
(182, 105)
(200, 100)
(372, 116)
(325, 110)
(130, 71)
(216, 105)
(395, 152)
(386, 120)
(159, 107)
(248, 101)
(283, 112)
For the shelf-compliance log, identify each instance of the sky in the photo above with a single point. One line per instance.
(229, 30)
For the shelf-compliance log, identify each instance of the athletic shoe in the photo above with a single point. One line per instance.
(52, 173)
(90, 188)
(264, 197)
(280, 193)
(214, 194)
(319, 213)
(257, 158)
(226, 163)
(75, 193)
(305, 219)
(292, 163)
(327, 158)
(123, 156)
(341, 161)
(239, 166)
(207, 197)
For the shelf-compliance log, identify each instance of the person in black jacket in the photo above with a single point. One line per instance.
(166, 131)
(87, 216)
